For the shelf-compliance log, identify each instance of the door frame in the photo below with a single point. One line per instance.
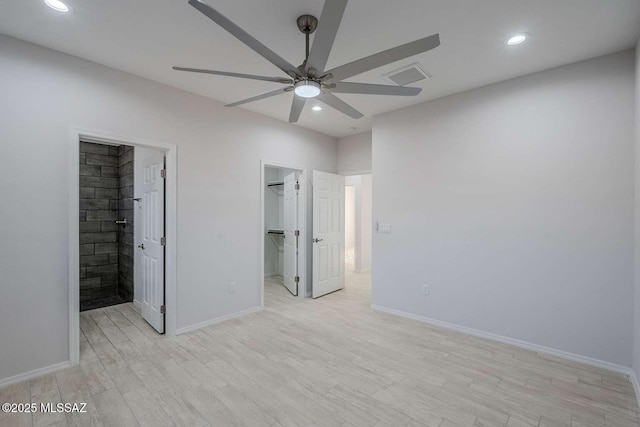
(356, 222)
(76, 134)
(302, 225)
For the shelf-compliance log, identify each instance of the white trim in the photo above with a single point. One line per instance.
(634, 382)
(218, 320)
(512, 341)
(34, 374)
(75, 134)
(74, 246)
(302, 225)
(271, 275)
(360, 172)
(137, 303)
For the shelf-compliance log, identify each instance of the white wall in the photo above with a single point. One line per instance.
(366, 224)
(354, 153)
(219, 151)
(350, 216)
(514, 202)
(636, 319)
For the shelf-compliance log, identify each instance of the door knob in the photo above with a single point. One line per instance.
(316, 240)
(141, 246)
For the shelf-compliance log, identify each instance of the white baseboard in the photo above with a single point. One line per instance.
(364, 270)
(271, 274)
(33, 374)
(137, 303)
(218, 320)
(636, 386)
(514, 342)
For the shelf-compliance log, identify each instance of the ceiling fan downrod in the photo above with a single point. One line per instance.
(307, 24)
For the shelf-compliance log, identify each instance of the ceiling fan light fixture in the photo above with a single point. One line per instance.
(57, 5)
(307, 89)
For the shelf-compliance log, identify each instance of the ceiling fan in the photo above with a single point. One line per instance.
(311, 80)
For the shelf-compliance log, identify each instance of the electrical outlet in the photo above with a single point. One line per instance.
(425, 289)
(232, 287)
(384, 228)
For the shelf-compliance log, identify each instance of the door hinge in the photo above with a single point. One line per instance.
(163, 173)
(296, 279)
(297, 233)
(163, 309)
(297, 185)
(163, 241)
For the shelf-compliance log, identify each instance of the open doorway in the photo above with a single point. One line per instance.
(358, 223)
(168, 153)
(283, 232)
(122, 238)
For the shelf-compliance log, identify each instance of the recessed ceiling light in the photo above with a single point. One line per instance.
(316, 108)
(517, 39)
(57, 5)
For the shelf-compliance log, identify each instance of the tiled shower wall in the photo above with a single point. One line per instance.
(125, 234)
(102, 194)
(98, 213)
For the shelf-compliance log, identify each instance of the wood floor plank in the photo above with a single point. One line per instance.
(325, 362)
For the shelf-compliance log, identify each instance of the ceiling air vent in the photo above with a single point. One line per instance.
(406, 75)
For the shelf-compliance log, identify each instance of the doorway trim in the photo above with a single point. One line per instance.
(75, 135)
(302, 224)
(357, 231)
(360, 172)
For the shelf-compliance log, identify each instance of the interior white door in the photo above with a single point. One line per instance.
(328, 233)
(150, 223)
(290, 239)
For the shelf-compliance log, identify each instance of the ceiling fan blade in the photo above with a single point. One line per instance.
(334, 102)
(326, 33)
(242, 76)
(367, 89)
(385, 57)
(258, 97)
(243, 36)
(296, 108)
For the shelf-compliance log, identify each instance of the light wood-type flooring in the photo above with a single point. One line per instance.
(325, 362)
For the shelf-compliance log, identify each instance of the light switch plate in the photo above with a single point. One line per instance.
(384, 228)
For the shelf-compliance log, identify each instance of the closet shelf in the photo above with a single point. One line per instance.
(276, 232)
(275, 184)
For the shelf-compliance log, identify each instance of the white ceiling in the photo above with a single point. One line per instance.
(147, 37)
